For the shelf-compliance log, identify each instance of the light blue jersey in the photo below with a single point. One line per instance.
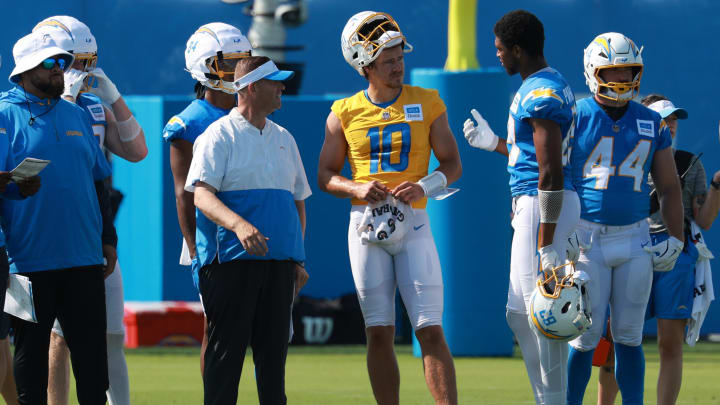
(544, 95)
(95, 111)
(611, 159)
(192, 121)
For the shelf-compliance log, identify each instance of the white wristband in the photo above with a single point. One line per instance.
(128, 129)
(433, 183)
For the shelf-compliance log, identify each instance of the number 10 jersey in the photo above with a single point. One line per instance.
(389, 142)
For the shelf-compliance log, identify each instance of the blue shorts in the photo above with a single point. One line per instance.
(672, 291)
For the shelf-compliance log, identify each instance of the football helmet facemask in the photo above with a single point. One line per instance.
(212, 53)
(559, 306)
(73, 36)
(366, 35)
(613, 50)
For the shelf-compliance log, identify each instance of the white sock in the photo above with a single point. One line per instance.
(553, 364)
(119, 391)
(528, 342)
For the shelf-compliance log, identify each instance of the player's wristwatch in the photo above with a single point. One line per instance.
(715, 185)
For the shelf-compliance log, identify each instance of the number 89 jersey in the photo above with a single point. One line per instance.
(389, 142)
(543, 95)
(611, 160)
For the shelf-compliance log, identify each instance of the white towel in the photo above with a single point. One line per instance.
(704, 293)
(385, 224)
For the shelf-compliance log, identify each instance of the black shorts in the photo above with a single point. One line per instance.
(4, 273)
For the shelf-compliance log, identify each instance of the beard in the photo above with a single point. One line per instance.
(52, 87)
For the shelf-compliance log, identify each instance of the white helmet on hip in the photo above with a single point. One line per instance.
(613, 50)
(560, 307)
(366, 35)
(72, 35)
(211, 54)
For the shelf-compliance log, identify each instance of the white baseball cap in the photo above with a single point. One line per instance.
(666, 108)
(30, 50)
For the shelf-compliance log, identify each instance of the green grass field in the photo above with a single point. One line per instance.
(337, 376)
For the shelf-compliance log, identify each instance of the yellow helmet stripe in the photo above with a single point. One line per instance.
(209, 31)
(54, 23)
(604, 43)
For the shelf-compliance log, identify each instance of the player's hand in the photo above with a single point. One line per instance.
(29, 186)
(74, 81)
(252, 240)
(301, 278)
(408, 192)
(105, 88)
(574, 244)
(665, 253)
(549, 259)
(4, 180)
(110, 255)
(372, 192)
(480, 136)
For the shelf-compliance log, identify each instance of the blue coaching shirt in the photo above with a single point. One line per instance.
(257, 174)
(60, 226)
(611, 161)
(544, 95)
(192, 121)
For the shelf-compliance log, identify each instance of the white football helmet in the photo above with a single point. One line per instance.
(73, 36)
(212, 52)
(612, 50)
(559, 306)
(366, 35)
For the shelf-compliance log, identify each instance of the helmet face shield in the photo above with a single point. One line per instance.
(619, 91)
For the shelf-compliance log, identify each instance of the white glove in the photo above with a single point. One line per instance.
(549, 259)
(665, 253)
(74, 80)
(574, 244)
(480, 136)
(105, 88)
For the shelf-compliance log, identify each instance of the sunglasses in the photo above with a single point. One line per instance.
(50, 63)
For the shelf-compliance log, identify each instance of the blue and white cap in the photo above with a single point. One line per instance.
(268, 71)
(665, 108)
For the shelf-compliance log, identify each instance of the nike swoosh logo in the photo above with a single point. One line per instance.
(418, 227)
(644, 244)
(539, 107)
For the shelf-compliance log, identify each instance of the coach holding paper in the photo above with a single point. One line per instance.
(249, 180)
(55, 237)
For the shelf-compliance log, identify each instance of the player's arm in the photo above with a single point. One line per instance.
(250, 237)
(547, 137)
(481, 136)
(706, 206)
(449, 170)
(124, 137)
(330, 164)
(181, 153)
(667, 184)
(301, 275)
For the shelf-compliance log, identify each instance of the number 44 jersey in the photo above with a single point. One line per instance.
(389, 142)
(611, 160)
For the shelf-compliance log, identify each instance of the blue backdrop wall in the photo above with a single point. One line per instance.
(141, 48)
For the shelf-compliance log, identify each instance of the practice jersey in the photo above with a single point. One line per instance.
(96, 113)
(389, 142)
(611, 161)
(544, 95)
(192, 121)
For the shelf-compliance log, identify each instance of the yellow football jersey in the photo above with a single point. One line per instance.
(389, 142)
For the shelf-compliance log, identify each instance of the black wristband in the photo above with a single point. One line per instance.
(715, 185)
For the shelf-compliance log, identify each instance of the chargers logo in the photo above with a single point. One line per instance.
(646, 128)
(542, 92)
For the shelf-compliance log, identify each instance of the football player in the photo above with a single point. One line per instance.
(617, 143)
(117, 130)
(545, 206)
(387, 133)
(211, 54)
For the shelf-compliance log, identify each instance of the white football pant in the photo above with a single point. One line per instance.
(621, 275)
(545, 360)
(414, 270)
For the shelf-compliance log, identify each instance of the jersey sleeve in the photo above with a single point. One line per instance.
(664, 139)
(210, 156)
(436, 105)
(545, 103)
(338, 107)
(176, 128)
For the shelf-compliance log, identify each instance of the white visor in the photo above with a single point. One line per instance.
(268, 70)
